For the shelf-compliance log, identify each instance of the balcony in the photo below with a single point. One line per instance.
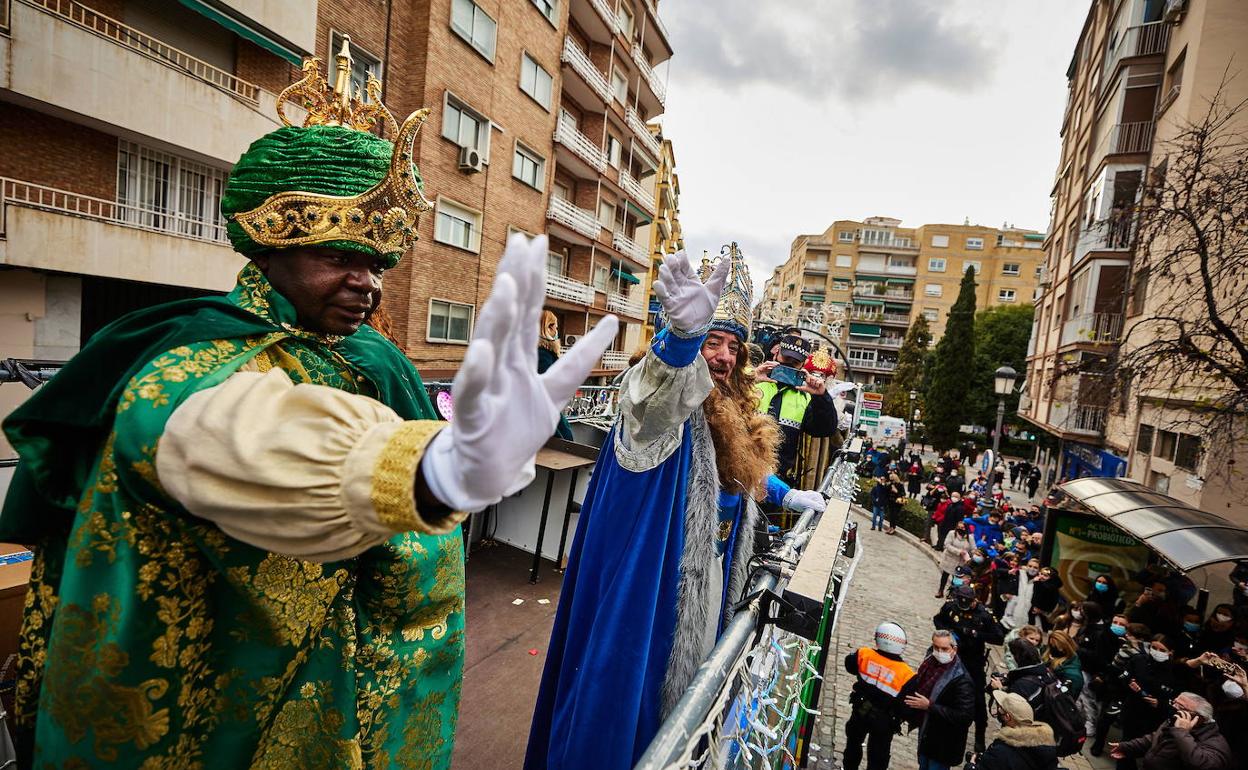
(638, 193)
(871, 241)
(66, 54)
(1081, 419)
(902, 270)
(820, 267)
(648, 74)
(1092, 328)
(582, 146)
(619, 303)
(614, 360)
(872, 364)
(643, 135)
(630, 248)
(1125, 139)
(581, 64)
(50, 229)
(568, 290)
(1112, 234)
(573, 217)
(1141, 40)
(653, 9)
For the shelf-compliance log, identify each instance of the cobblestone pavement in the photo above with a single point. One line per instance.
(896, 580)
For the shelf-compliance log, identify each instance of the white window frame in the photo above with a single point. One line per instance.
(940, 241)
(932, 314)
(844, 260)
(841, 284)
(1007, 295)
(619, 86)
(603, 203)
(450, 305)
(1017, 269)
(936, 264)
(532, 78)
(975, 244)
(160, 191)
(523, 153)
(605, 273)
(548, 9)
(551, 258)
(975, 263)
(615, 151)
(470, 35)
(461, 213)
(841, 236)
(482, 144)
(363, 62)
(933, 290)
(627, 23)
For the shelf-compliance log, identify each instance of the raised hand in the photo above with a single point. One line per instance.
(688, 303)
(504, 410)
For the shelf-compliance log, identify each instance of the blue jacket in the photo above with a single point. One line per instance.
(986, 533)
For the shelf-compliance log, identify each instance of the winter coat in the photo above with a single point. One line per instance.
(1021, 747)
(1071, 674)
(955, 546)
(1045, 594)
(975, 628)
(944, 725)
(1171, 748)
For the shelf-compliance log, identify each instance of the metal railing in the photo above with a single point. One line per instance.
(630, 248)
(658, 20)
(642, 133)
(14, 192)
(1086, 418)
(637, 192)
(569, 290)
(615, 360)
(570, 215)
(1126, 138)
(582, 65)
(647, 72)
(619, 303)
(582, 146)
(1095, 327)
(592, 403)
(607, 15)
(1140, 40)
(146, 45)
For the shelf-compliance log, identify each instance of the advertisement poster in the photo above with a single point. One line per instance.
(1086, 547)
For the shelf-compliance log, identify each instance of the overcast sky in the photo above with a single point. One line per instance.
(786, 115)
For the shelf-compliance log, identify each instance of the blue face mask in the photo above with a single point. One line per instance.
(1118, 630)
(1102, 587)
(957, 582)
(1190, 627)
(977, 559)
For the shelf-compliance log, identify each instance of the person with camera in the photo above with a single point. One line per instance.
(975, 628)
(880, 675)
(939, 700)
(1190, 740)
(1023, 743)
(797, 398)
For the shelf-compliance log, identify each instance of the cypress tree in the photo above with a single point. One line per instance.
(945, 398)
(908, 375)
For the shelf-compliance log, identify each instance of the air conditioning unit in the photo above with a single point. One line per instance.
(571, 339)
(470, 161)
(1174, 10)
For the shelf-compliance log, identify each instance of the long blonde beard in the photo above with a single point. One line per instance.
(745, 441)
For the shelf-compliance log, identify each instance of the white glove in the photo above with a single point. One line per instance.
(504, 410)
(801, 499)
(688, 303)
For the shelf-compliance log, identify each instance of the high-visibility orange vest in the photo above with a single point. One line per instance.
(886, 674)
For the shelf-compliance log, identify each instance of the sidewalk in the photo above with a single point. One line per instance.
(895, 580)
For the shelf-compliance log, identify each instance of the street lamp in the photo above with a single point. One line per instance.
(914, 394)
(1003, 384)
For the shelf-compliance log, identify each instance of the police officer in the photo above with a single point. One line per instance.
(975, 628)
(881, 674)
(806, 408)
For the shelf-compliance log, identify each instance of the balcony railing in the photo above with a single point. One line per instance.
(1141, 40)
(1086, 418)
(639, 58)
(658, 21)
(1126, 138)
(615, 360)
(630, 248)
(637, 192)
(146, 45)
(642, 133)
(902, 270)
(572, 216)
(1097, 328)
(879, 366)
(608, 16)
(619, 303)
(583, 66)
(568, 290)
(14, 192)
(889, 342)
(815, 267)
(582, 146)
(895, 318)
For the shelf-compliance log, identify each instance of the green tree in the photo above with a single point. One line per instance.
(944, 398)
(908, 375)
(1001, 337)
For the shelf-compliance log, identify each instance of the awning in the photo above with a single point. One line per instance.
(1186, 537)
(813, 297)
(873, 302)
(900, 280)
(870, 277)
(891, 308)
(626, 277)
(243, 29)
(864, 330)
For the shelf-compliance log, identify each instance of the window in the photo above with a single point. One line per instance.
(1011, 268)
(362, 65)
(931, 314)
(606, 214)
(1144, 439)
(940, 241)
(449, 322)
(465, 127)
(549, 8)
(528, 167)
(602, 277)
(1187, 452)
(615, 150)
(975, 243)
(967, 264)
(845, 236)
(619, 86)
(165, 192)
(1160, 482)
(535, 81)
(1164, 446)
(933, 290)
(840, 284)
(457, 226)
(475, 26)
(554, 263)
(1139, 291)
(1006, 295)
(936, 264)
(844, 260)
(1039, 271)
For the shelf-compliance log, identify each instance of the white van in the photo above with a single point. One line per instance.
(889, 432)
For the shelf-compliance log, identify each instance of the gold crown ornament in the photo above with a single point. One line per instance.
(732, 314)
(821, 362)
(384, 217)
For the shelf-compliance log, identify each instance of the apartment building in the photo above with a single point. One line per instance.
(1139, 72)
(879, 277)
(663, 234)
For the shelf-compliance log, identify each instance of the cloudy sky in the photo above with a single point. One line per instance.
(786, 115)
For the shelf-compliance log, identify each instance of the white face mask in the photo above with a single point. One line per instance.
(1232, 690)
(942, 657)
(1222, 617)
(1076, 614)
(1158, 655)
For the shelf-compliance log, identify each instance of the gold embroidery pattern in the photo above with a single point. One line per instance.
(183, 363)
(306, 729)
(291, 598)
(32, 649)
(393, 492)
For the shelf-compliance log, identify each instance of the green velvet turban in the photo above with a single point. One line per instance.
(324, 160)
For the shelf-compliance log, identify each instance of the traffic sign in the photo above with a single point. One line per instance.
(866, 421)
(872, 405)
(872, 396)
(871, 413)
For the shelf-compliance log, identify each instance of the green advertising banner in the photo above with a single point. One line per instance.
(1086, 548)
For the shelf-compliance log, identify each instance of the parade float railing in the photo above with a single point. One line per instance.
(752, 701)
(592, 404)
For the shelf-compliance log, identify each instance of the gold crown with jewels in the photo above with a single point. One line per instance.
(732, 314)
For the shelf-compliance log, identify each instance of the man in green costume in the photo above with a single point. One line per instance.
(244, 512)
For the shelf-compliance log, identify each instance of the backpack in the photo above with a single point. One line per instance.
(1060, 711)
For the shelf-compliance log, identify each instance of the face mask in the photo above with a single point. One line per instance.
(1076, 614)
(957, 582)
(1032, 571)
(1190, 627)
(1232, 690)
(977, 559)
(1118, 630)
(1158, 655)
(1222, 617)
(1102, 587)
(942, 657)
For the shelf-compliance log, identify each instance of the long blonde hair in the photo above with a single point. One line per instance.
(1061, 649)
